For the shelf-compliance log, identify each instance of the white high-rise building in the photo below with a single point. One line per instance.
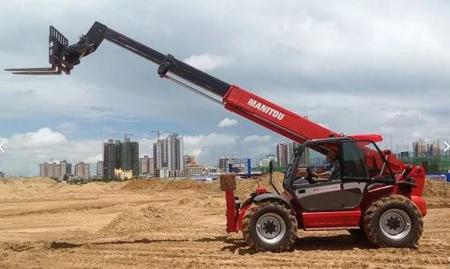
(55, 170)
(168, 154)
(147, 166)
(175, 152)
(100, 169)
(82, 170)
(264, 162)
(282, 155)
(66, 168)
(158, 155)
(420, 148)
(285, 151)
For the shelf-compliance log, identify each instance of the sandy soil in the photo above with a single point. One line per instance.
(171, 224)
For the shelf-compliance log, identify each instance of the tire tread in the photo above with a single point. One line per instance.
(252, 240)
(370, 220)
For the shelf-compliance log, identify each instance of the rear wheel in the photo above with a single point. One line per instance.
(357, 233)
(269, 226)
(393, 221)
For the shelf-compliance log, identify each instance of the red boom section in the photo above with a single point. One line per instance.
(274, 117)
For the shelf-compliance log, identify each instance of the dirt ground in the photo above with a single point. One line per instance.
(172, 224)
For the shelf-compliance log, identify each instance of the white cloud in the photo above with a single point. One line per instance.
(257, 139)
(94, 159)
(207, 62)
(208, 147)
(406, 118)
(146, 145)
(25, 151)
(196, 152)
(227, 123)
(212, 139)
(42, 138)
(67, 127)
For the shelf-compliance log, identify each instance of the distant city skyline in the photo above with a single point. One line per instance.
(147, 149)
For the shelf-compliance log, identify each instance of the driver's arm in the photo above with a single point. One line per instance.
(301, 172)
(324, 174)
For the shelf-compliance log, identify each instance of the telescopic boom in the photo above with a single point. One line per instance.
(63, 57)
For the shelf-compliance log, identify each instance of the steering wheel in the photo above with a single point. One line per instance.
(311, 175)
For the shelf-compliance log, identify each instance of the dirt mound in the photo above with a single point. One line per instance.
(435, 188)
(211, 202)
(246, 186)
(243, 186)
(140, 220)
(156, 184)
(22, 187)
(40, 180)
(185, 201)
(28, 181)
(437, 194)
(97, 187)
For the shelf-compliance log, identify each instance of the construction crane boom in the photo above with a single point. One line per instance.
(157, 132)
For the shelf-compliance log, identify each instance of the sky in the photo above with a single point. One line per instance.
(353, 66)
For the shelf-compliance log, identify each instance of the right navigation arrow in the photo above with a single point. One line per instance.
(447, 146)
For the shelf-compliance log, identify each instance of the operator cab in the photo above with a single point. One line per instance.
(331, 174)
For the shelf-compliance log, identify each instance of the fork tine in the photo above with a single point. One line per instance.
(37, 69)
(37, 73)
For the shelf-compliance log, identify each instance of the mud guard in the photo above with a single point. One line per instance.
(269, 196)
(257, 199)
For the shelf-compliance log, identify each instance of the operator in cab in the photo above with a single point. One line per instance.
(334, 170)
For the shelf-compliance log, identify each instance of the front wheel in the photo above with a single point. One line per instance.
(269, 227)
(393, 221)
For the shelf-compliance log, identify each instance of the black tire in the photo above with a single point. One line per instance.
(357, 234)
(393, 221)
(265, 220)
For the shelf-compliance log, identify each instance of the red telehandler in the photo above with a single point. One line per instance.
(367, 191)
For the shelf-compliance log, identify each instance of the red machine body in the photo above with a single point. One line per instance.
(301, 129)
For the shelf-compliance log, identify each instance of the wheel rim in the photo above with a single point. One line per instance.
(270, 228)
(395, 224)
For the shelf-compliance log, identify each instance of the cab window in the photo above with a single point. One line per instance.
(353, 165)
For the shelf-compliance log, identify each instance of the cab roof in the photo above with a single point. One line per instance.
(358, 137)
(368, 137)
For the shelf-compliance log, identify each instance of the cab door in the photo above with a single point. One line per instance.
(323, 195)
(354, 174)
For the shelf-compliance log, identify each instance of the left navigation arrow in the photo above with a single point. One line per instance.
(2, 143)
